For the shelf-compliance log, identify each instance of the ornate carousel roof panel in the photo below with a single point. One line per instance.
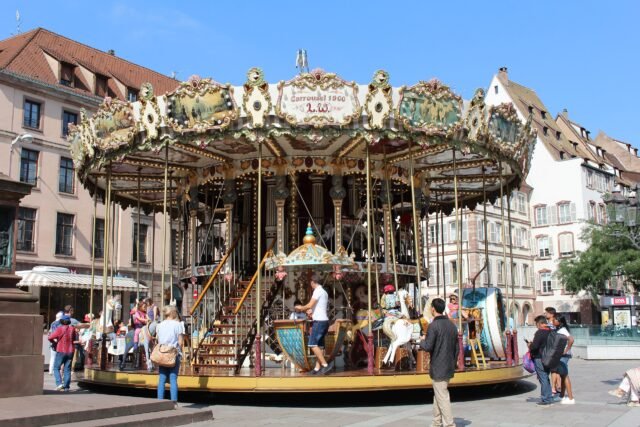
(316, 122)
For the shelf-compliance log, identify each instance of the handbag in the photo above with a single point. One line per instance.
(528, 364)
(164, 355)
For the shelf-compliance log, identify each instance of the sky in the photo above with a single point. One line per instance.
(582, 55)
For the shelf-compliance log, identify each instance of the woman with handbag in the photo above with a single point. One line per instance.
(168, 351)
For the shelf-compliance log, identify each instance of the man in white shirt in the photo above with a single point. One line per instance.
(320, 326)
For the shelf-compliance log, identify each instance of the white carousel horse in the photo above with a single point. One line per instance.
(402, 330)
(113, 304)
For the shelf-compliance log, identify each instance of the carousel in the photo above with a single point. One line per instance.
(262, 185)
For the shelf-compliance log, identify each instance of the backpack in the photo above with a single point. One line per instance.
(553, 350)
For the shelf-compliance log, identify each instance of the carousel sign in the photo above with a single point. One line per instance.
(318, 99)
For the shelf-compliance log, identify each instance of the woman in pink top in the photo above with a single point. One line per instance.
(140, 320)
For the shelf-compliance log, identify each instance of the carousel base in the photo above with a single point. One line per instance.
(275, 380)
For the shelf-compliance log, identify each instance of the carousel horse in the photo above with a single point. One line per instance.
(402, 330)
(145, 337)
(113, 304)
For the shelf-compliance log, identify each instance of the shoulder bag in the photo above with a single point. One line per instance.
(164, 355)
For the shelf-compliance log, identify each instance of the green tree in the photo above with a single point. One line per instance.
(614, 250)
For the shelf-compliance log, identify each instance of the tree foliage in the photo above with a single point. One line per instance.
(613, 251)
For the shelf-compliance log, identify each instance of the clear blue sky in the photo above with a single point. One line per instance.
(580, 55)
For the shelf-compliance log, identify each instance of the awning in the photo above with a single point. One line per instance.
(75, 281)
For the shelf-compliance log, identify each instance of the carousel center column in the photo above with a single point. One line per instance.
(337, 193)
(280, 195)
(229, 198)
(386, 219)
(317, 206)
(270, 230)
(293, 212)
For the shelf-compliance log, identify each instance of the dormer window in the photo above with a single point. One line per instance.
(101, 85)
(543, 114)
(562, 155)
(545, 130)
(575, 145)
(66, 74)
(530, 109)
(132, 95)
(557, 134)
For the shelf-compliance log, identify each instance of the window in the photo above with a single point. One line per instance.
(29, 166)
(564, 213)
(565, 244)
(139, 247)
(66, 74)
(530, 109)
(31, 117)
(602, 216)
(544, 246)
(26, 229)
(525, 275)
(68, 118)
(541, 215)
(433, 236)
(498, 233)
(67, 178)
(454, 271)
(481, 224)
(517, 237)
(543, 114)
(514, 274)
(521, 199)
(557, 134)
(64, 234)
(101, 85)
(493, 233)
(590, 179)
(132, 95)
(591, 211)
(545, 282)
(500, 269)
(524, 239)
(453, 232)
(545, 130)
(495, 88)
(98, 239)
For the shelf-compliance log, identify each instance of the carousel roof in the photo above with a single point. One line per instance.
(315, 122)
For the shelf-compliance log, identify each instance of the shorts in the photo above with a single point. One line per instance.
(319, 329)
(563, 367)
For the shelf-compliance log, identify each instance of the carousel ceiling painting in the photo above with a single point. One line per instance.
(314, 123)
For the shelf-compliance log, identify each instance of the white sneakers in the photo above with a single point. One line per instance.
(567, 401)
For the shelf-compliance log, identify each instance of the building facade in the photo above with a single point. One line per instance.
(46, 80)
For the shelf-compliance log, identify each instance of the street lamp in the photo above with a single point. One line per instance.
(25, 137)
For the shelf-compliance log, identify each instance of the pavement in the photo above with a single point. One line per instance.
(509, 405)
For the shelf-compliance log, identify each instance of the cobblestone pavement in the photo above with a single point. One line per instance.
(505, 406)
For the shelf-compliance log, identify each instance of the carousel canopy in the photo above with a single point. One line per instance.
(316, 122)
(309, 255)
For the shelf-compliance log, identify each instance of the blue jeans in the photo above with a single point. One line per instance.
(543, 378)
(63, 359)
(172, 373)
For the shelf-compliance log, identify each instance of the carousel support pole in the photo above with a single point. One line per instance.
(444, 264)
(391, 229)
(153, 252)
(337, 194)
(93, 251)
(416, 234)
(258, 349)
(485, 225)
(105, 274)
(458, 262)
(164, 224)
(114, 244)
(369, 290)
(504, 263)
(514, 333)
(436, 229)
(138, 242)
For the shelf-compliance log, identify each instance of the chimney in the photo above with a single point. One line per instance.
(502, 72)
(565, 113)
(111, 52)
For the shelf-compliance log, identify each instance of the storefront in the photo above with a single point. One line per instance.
(57, 287)
(619, 311)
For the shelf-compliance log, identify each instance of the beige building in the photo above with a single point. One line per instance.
(45, 82)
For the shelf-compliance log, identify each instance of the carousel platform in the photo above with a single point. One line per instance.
(278, 380)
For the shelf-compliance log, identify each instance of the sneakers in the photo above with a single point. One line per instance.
(617, 393)
(60, 388)
(314, 372)
(544, 404)
(555, 399)
(633, 404)
(567, 401)
(326, 369)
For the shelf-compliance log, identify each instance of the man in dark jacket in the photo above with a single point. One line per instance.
(442, 342)
(535, 349)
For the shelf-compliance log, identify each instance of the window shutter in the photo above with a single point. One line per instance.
(480, 231)
(550, 242)
(465, 231)
(445, 230)
(573, 211)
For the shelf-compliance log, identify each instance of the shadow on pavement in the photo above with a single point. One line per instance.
(342, 399)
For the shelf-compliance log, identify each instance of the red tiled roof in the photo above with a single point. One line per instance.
(25, 54)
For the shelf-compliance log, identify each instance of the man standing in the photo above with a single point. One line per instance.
(442, 342)
(535, 349)
(320, 325)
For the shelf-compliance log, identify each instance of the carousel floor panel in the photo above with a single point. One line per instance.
(288, 380)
